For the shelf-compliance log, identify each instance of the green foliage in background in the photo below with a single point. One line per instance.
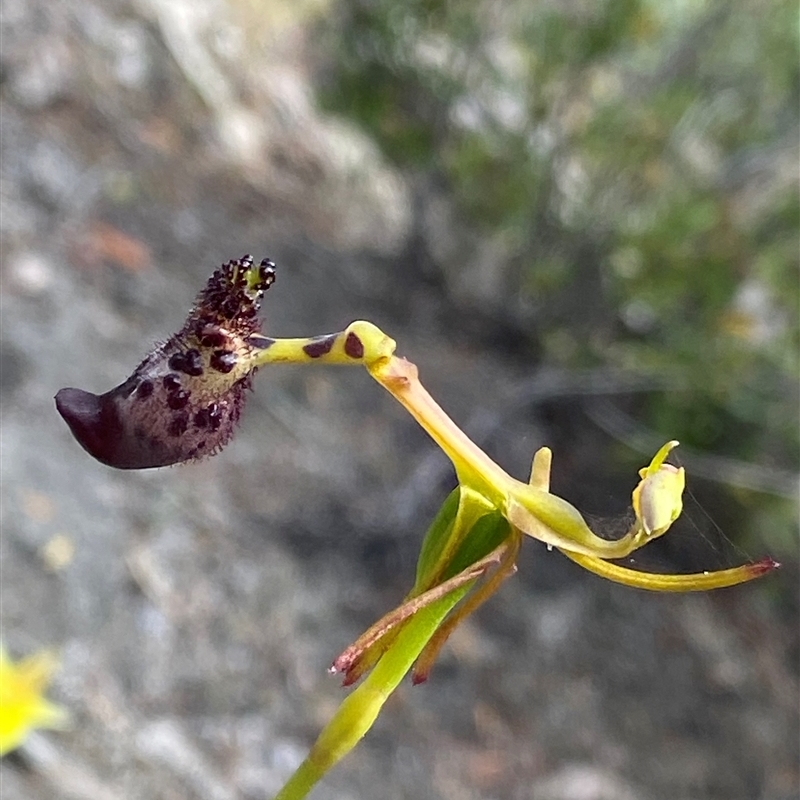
(638, 161)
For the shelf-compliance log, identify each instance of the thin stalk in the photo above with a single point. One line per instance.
(696, 582)
(474, 468)
(357, 713)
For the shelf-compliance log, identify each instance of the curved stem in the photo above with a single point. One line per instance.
(535, 512)
(696, 582)
(474, 468)
(359, 343)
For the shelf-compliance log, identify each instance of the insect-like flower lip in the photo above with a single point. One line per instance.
(95, 423)
(90, 422)
(184, 400)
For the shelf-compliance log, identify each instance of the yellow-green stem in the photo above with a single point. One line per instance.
(357, 713)
(474, 468)
(654, 582)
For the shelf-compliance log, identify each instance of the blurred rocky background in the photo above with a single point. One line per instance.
(579, 219)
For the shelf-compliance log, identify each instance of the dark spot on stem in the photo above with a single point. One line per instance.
(320, 346)
(353, 346)
(260, 342)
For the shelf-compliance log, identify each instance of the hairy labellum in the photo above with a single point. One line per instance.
(184, 400)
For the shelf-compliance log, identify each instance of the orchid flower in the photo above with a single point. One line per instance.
(183, 402)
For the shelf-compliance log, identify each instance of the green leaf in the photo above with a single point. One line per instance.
(486, 534)
(435, 540)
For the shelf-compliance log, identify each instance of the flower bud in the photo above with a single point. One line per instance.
(184, 400)
(658, 498)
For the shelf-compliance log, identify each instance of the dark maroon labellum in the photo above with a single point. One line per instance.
(95, 423)
(172, 409)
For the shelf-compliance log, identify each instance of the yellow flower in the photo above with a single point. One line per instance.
(657, 500)
(23, 706)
